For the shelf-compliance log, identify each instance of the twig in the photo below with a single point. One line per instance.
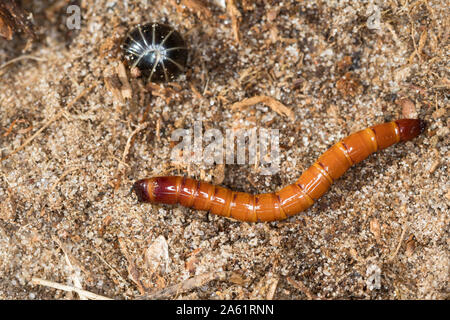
(130, 141)
(133, 271)
(110, 266)
(275, 105)
(11, 127)
(300, 286)
(235, 15)
(272, 288)
(24, 57)
(73, 266)
(64, 174)
(188, 284)
(399, 244)
(67, 288)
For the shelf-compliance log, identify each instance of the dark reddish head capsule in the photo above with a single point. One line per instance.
(158, 189)
(140, 187)
(157, 50)
(410, 128)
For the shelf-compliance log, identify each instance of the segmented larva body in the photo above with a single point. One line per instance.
(290, 200)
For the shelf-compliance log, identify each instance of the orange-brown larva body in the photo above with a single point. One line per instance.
(290, 200)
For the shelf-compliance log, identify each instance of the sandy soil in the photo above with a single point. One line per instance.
(72, 146)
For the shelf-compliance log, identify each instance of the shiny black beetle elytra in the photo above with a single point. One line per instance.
(157, 50)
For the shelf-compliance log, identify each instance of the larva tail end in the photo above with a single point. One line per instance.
(140, 188)
(410, 128)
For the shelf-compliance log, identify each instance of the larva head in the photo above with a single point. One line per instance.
(410, 128)
(140, 188)
(158, 189)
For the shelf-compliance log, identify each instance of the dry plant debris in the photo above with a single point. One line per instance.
(58, 286)
(235, 15)
(187, 285)
(275, 105)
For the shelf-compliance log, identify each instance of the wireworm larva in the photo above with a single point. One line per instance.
(290, 200)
